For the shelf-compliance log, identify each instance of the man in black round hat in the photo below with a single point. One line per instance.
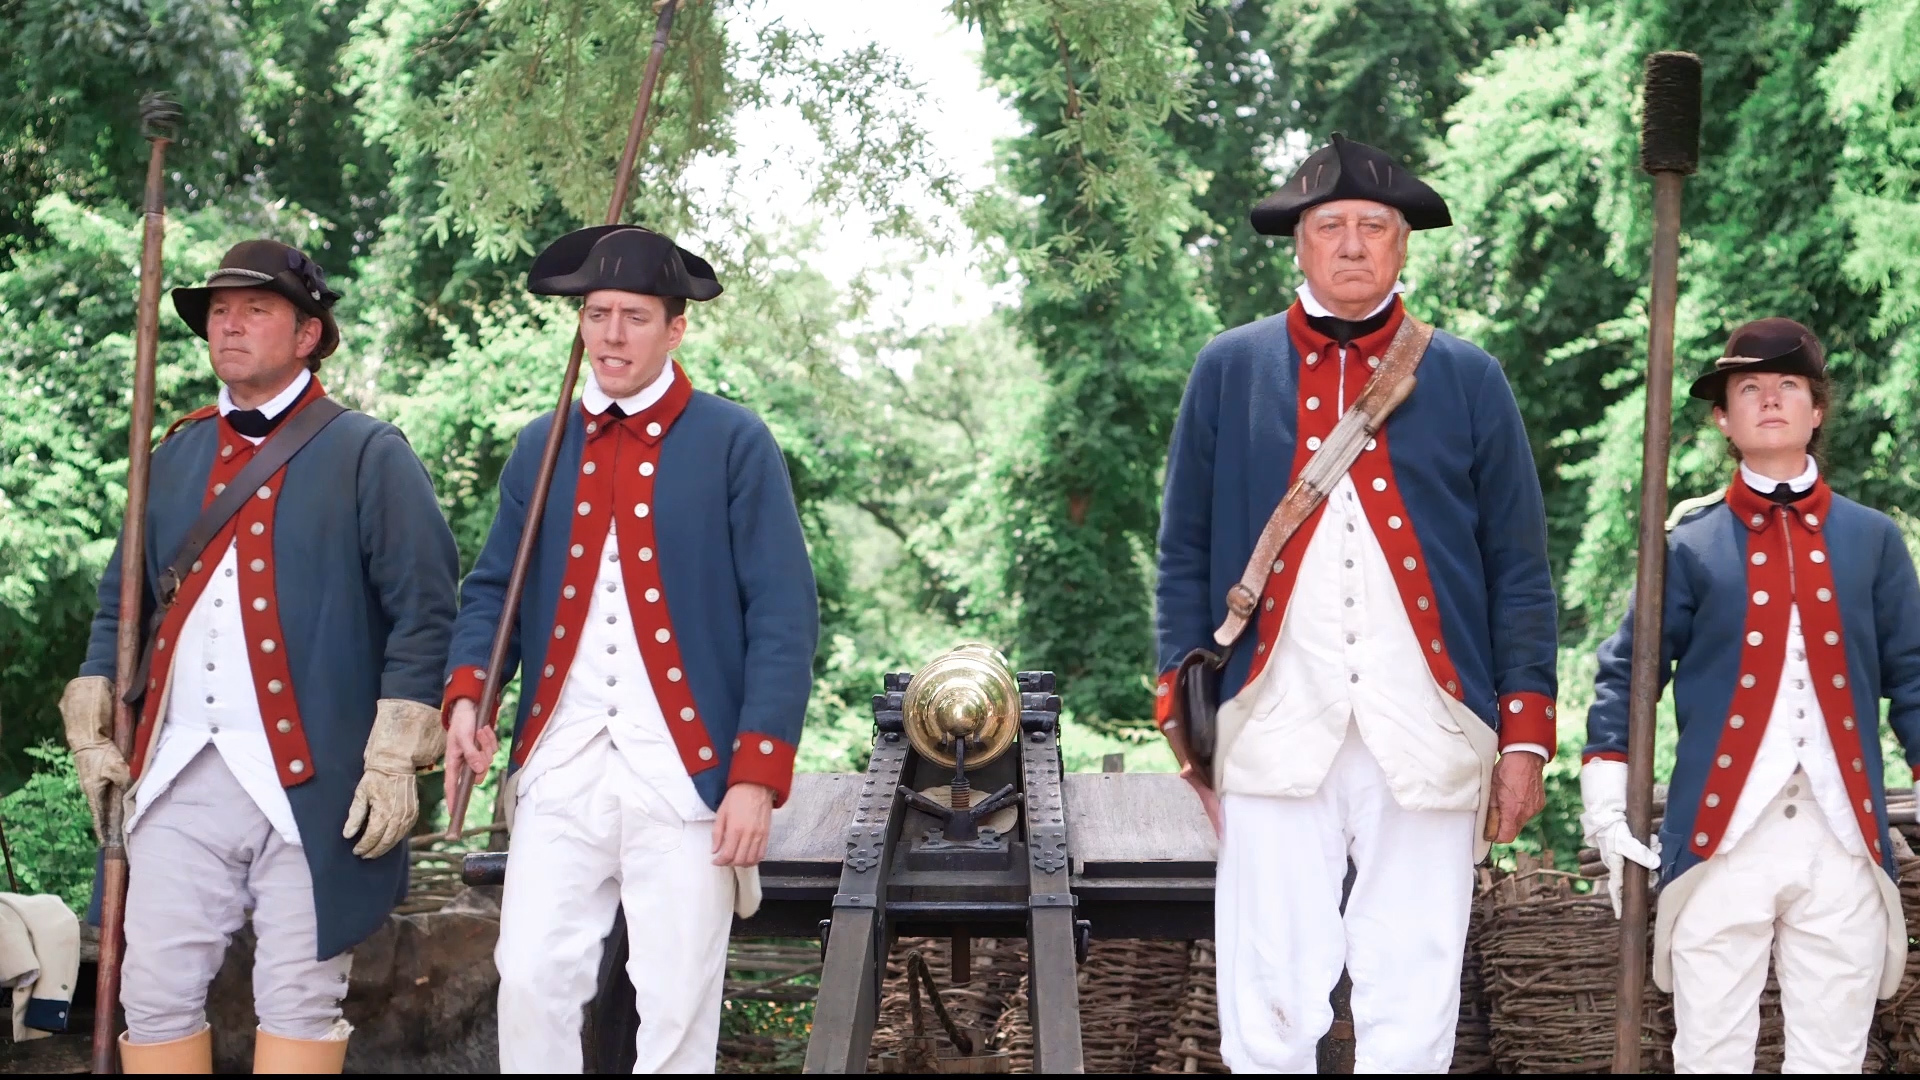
(292, 682)
(1790, 613)
(665, 649)
(1398, 645)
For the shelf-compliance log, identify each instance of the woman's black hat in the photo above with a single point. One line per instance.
(266, 264)
(1780, 345)
(1344, 169)
(624, 257)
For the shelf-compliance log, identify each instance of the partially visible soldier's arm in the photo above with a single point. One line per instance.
(1181, 607)
(1896, 616)
(412, 564)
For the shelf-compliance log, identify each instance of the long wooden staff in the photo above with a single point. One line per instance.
(550, 457)
(1669, 150)
(158, 117)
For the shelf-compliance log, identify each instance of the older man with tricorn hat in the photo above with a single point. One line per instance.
(1790, 612)
(1384, 595)
(665, 649)
(300, 595)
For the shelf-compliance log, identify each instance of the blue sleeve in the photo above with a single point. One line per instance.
(780, 608)
(483, 594)
(1607, 719)
(1183, 618)
(412, 564)
(1896, 624)
(1512, 537)
(103, 641)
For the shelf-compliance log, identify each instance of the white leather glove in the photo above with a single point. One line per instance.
(406, 736)
(1603, 788)
(86, 709)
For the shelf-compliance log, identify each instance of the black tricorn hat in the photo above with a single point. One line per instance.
(624, 257)
(1764, 345)
(1344, 169)
(266, 264)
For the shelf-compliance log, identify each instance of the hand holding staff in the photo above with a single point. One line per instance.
(1669, 150)
(158, 119)
(463, 779)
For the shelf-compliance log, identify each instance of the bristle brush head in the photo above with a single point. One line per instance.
(1670, 132)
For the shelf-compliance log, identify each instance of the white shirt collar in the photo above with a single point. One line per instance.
(1318, 310)
(280, 401)
(1765, 485)
(597, 401)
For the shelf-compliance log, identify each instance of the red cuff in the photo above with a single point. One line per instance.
(467, 682)
(1163, 699)
(1528, 718)
(762, 759)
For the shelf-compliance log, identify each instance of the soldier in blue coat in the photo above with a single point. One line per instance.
(1791, 611)
(292, 687)
(665, 650)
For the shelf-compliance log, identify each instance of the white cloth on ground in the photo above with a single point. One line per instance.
(1283, 940)
(40, 960)
(205, 857)
(592, 836)
(1793, 891)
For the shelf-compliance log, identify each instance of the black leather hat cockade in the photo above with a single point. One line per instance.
(1344, 169)
(1780, 345)
(624, 257)
(267, 264)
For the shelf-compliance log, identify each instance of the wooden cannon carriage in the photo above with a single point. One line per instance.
(858, 860)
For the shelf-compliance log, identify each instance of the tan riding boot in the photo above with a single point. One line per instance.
(279, 1054)
(192, 1054)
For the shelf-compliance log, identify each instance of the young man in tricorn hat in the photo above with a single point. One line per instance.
(291, 682)
(1390, 653)
(1790, 612)
(665, 647)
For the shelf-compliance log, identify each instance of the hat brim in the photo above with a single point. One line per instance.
(191, 304)
(1713, 385)
(560, 270)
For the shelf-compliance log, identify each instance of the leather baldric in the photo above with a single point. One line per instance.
(273, 455)
(1390, 384)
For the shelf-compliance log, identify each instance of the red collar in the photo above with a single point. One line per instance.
(310, 394)
(1314, 345)
(652, 423)
(1756, 511)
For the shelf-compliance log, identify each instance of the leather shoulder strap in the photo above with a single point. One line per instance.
(1390, 385)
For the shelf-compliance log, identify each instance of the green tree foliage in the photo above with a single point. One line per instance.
(50, 830)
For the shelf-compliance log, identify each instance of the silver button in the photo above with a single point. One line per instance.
(612, 585)
(1313, 442)
(547, 672)
(1373, 361)
(1792, 810)
(217, 602)
(646, 468)
(646, 554)
(640, 510)
(259, 603)
(1435, 646)
(592, 427)
(257, 565)
(686, 713)
(766, 746)
(1817, 555)
(1858, 765)
(1421, 602)
(1313, 358)
(1515, 706)
(1839, 682)
(1700, 839)
(1379, 483)
(265, 492)
(1799, 684)
(1726, 760)
(268, 645)
(209, 699)
(1313, 403)
(218, 488)
(588, 468)
(1759, 558)
(1349, 564)
(1355, 677)
(1831, 638)
(613, 710)
(283, 726)
(1269, 603)
(296, 766)
(1847, 722)
(662, 635)
(229, 571)
(653, 595)
(1760, 597)
(1824, 595)
(1813, 520)
(1757, 520)
(706, 753)
(213, 729)
(274, 686)
(257, 528)
(1409, 562)
(1350, 639)
(1260, 649)
(613, 556)
(1793, 790)
(673, 674)
(1393, 521)
(559, 631)
(584, 509)
(613, 620)
(1349, 601)
(577, 551)
(567, 592)
(653, 429)
(611, 650)
(1754, 637)
(1747, 681)
(1736, 721)
(1371, 443)
(1279, 566)
(226, 451)
(195, 568)
(536, 709)
(1713, 800)
(1452, 687)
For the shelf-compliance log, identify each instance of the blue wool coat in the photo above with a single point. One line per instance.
(1710, 608)
(727, 552)
(1461, 464)
(363, 571)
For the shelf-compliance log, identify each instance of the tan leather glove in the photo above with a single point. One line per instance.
(406, 736)
(87, 710)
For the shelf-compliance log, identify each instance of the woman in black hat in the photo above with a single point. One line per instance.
(1790, 612)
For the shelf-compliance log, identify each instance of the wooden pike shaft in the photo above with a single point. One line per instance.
(133, 546)
(1649, 594)
(550, 455)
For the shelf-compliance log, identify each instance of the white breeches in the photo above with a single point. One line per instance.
(590, 836)
(1789, 888)
(1282, 939)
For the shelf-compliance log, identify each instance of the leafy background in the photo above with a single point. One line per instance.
(997, 480)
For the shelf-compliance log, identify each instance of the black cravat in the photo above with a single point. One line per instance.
(1347, 331)
(615, 412)
(1784, 494)
(255, 424)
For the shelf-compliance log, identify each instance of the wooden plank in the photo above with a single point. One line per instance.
(812, 826)
(1128, 818)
